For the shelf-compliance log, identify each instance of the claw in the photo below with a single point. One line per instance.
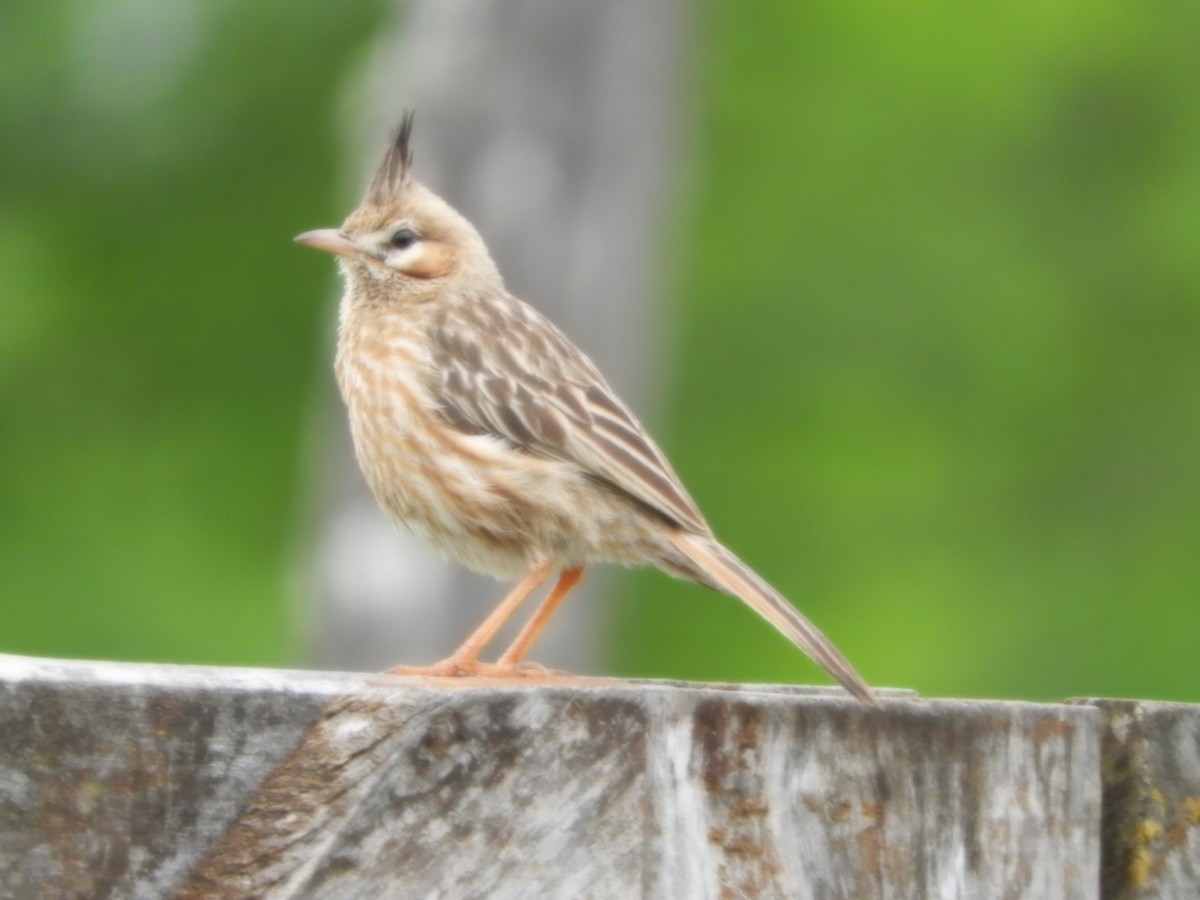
(455, 668)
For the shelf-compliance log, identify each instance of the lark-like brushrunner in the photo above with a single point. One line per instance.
(479, 425)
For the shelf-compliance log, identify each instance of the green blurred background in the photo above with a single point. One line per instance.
(937, 295)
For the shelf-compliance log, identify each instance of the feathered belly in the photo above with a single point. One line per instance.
(496, 508)
(493, 507)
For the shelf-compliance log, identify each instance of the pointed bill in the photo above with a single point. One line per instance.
(330, 240)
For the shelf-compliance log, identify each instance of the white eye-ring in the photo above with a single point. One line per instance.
(403, 238)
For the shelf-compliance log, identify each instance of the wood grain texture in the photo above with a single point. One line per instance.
(149, 781)
(1151, 777)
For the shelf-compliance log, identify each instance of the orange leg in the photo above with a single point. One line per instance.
(516, 652)
(465, 660)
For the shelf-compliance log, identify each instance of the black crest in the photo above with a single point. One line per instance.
(393, 172)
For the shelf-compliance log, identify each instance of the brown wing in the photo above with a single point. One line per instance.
(505, 370)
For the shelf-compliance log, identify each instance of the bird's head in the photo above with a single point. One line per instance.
(403, 238)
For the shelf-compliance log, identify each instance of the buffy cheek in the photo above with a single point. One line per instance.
(435, 260)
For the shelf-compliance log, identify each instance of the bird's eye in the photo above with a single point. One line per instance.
(403, 238)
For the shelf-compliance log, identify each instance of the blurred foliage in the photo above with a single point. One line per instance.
(940, 374)
(939, 309)
(160, 336)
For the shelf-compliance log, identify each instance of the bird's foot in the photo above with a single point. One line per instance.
(460, 668)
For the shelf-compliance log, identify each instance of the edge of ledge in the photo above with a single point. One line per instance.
(20, 668)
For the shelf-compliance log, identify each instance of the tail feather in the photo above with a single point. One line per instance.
(735, 577)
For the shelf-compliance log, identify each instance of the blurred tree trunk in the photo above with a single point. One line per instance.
(552, 127)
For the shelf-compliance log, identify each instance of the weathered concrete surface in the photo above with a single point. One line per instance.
(149, 781)
(1151, 822)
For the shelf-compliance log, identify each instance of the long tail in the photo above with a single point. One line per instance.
(735, 577)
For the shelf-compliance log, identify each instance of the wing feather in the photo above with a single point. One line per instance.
(504, 369)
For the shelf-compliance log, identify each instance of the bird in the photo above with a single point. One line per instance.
(478, 424)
